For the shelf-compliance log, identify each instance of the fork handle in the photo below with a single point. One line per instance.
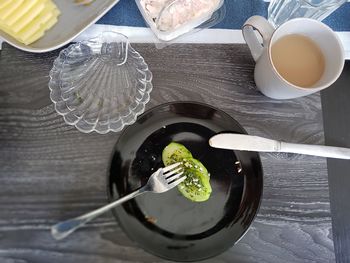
(65, 228)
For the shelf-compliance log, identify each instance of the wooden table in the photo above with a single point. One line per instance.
(49, 171)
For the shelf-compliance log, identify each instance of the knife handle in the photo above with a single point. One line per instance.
(316, 150)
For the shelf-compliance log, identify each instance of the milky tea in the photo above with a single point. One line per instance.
(298, 60)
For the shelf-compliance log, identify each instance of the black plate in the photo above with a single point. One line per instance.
(169, 225)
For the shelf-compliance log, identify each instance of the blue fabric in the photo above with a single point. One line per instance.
(126, 13)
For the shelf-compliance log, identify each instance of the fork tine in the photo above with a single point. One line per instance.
(178, 181)
(170, 167)
(172, 178)
(167, 175)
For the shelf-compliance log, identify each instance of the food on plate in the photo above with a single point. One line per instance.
(196, 187)
(83, 2)
(27, 20)
(177, 13)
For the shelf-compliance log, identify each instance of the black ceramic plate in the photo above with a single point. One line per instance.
(169, 225)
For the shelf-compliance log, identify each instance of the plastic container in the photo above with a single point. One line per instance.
(157, 20)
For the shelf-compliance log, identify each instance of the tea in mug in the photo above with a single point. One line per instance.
(298, 60)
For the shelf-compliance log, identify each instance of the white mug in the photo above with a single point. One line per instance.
(267, 78)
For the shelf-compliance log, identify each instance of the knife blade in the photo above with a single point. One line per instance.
(243, 142)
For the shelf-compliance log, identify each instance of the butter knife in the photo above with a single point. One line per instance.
(243, 142)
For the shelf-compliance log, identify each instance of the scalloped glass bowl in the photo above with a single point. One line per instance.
(101, 84)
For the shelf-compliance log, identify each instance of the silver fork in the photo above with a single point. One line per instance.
(160, 181)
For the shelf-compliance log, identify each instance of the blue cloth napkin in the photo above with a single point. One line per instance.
(126, 13)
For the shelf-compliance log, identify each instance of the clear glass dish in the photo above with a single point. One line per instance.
(281, 11)
(101, 84)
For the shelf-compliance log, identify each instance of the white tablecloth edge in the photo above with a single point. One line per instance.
(206, 36)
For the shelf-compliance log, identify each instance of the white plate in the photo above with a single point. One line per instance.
(72, 21)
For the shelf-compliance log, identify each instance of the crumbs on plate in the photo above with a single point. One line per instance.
(151, 219)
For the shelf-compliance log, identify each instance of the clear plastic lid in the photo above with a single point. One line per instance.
(169, 19)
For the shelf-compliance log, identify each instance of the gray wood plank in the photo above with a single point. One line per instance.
(335, 101)
(49, 171)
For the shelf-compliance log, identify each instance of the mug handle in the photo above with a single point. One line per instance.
(265, 30)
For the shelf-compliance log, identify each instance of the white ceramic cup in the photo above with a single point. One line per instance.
(267, 78)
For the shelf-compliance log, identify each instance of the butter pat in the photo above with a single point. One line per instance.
(27, 20)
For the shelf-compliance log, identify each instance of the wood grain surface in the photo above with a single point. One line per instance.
(49, 171)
